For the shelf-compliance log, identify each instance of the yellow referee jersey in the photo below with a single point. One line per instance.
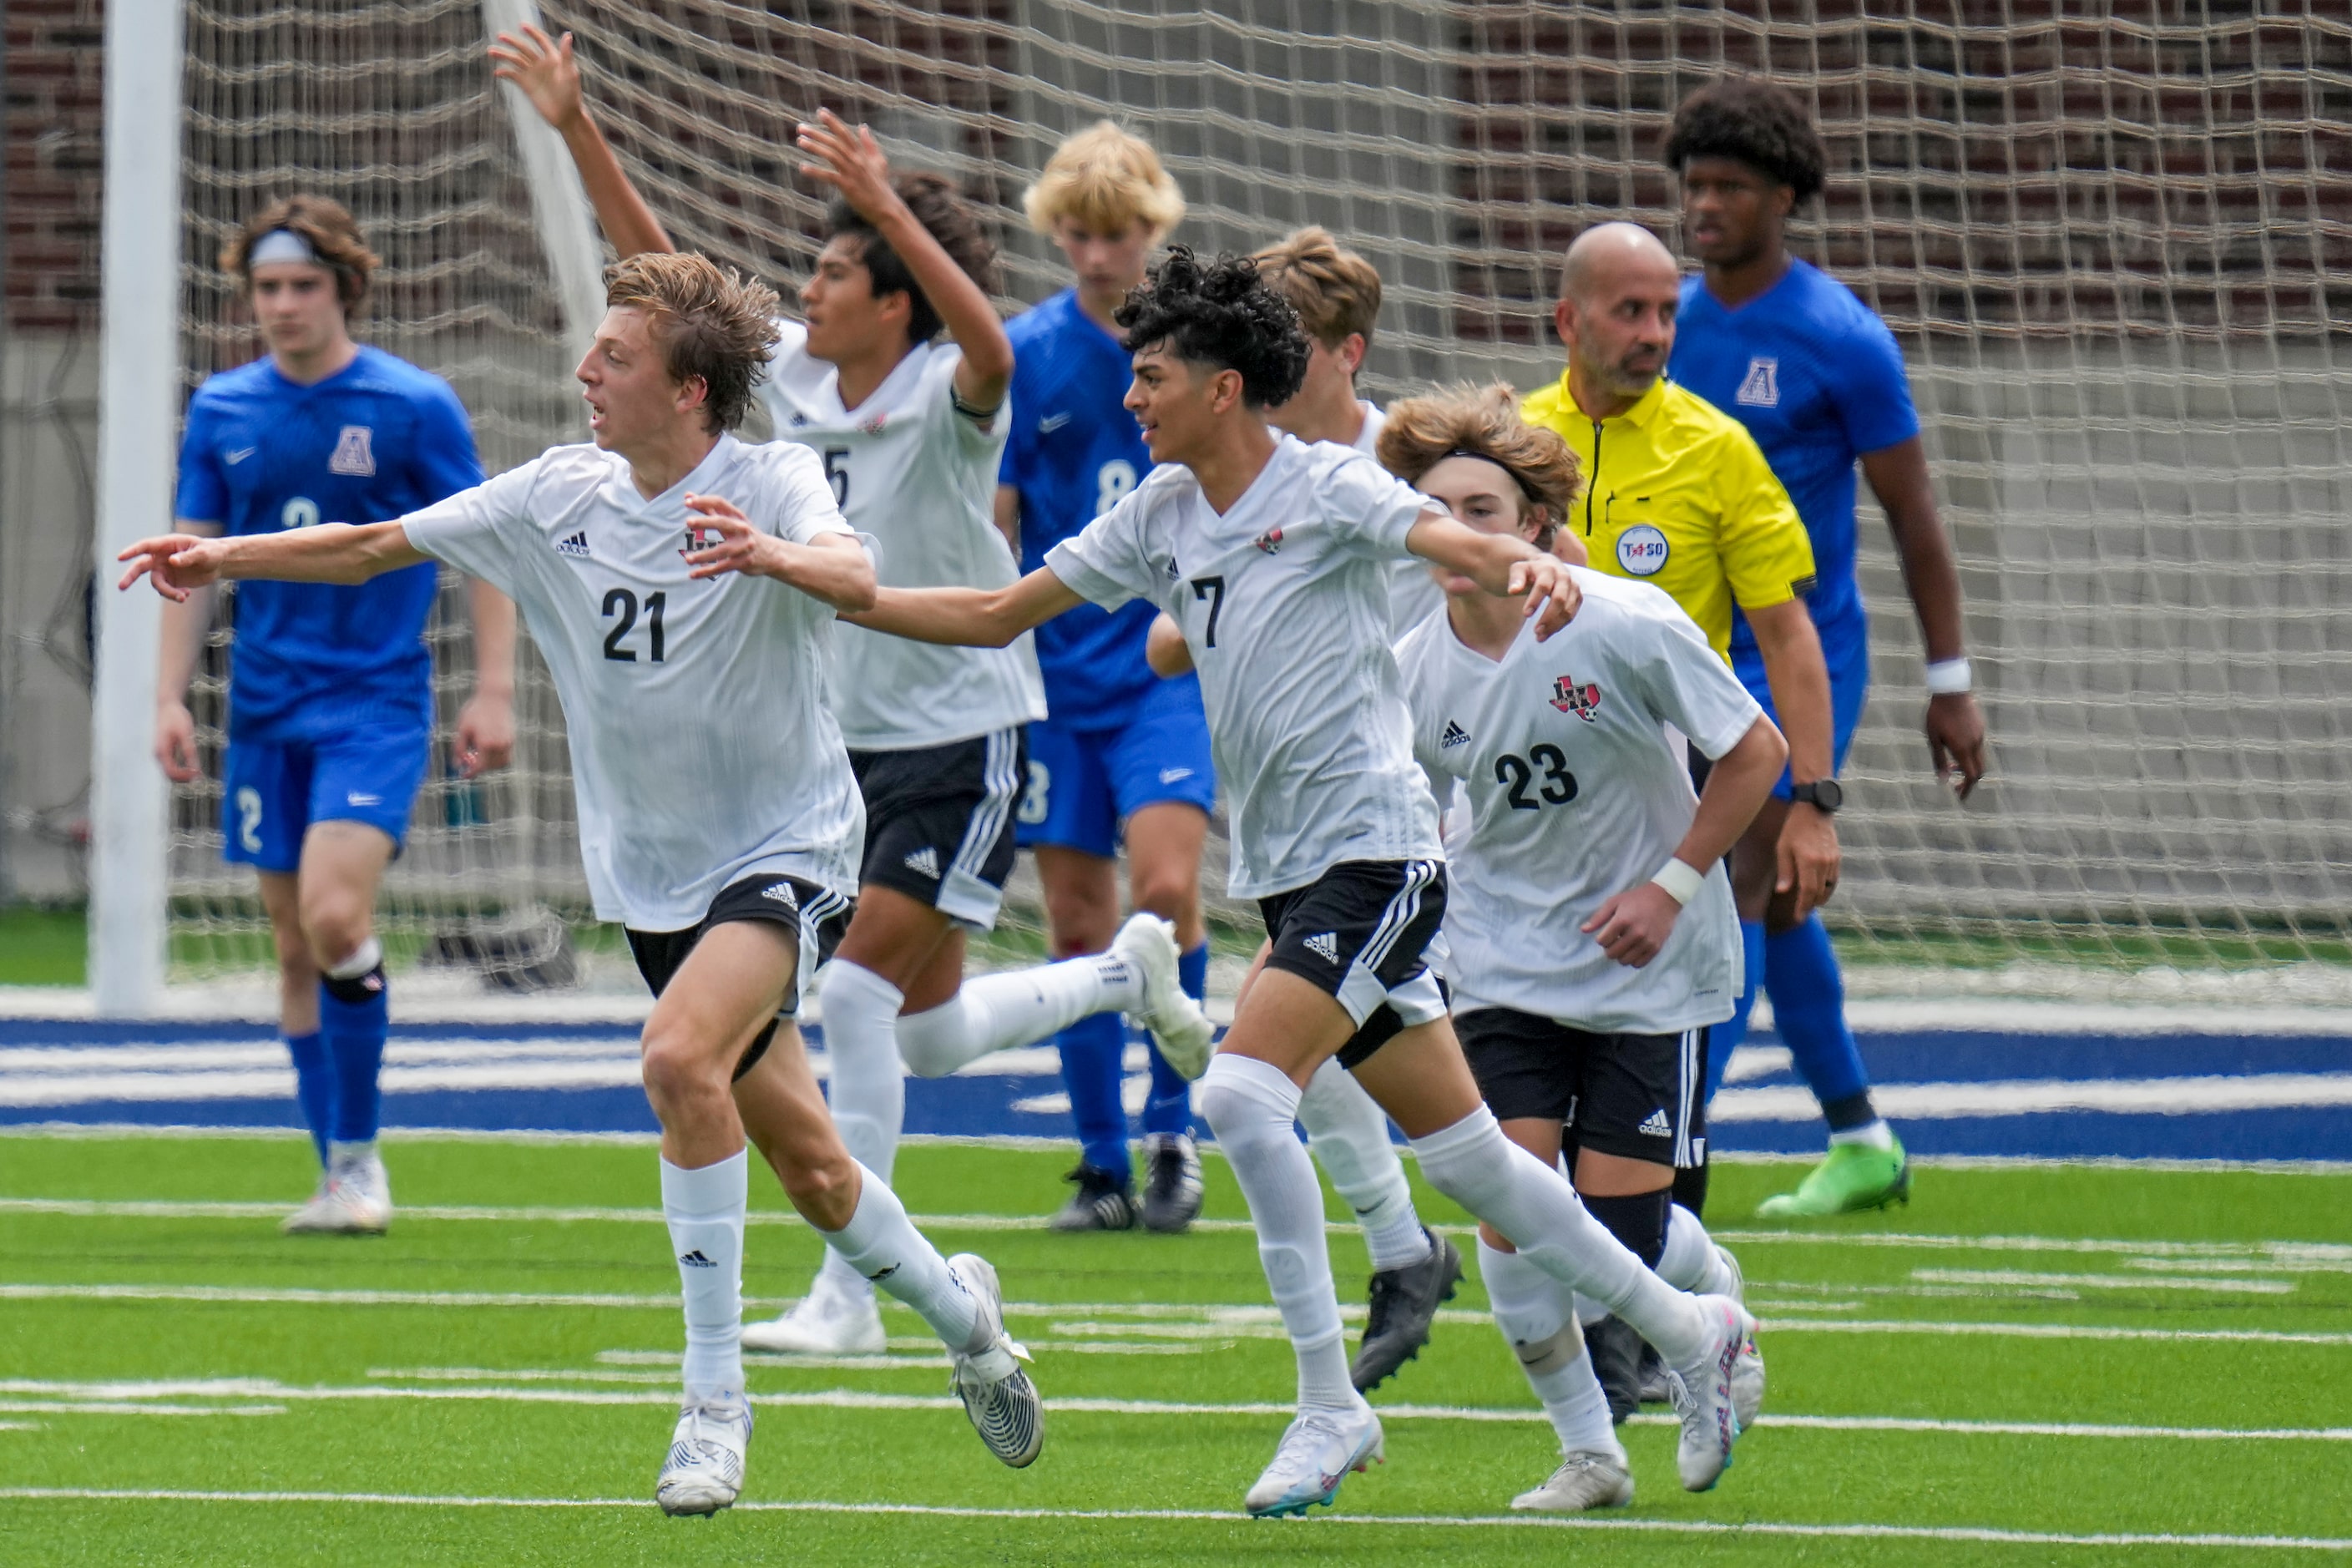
(1677, 493)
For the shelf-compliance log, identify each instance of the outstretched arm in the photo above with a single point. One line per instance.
(851, 162)
(968, 617)
(833, 567)
(180, 564)
(547, 74)
(1898, 477)
(1501, 564)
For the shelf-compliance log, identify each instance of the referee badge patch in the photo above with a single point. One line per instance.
(1641, 551)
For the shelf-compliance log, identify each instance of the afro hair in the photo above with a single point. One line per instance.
(1753, 122)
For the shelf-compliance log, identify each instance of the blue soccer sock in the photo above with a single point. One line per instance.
(1091, 1051)
(1724, 1039)
(354, 1019)
(1800, 971)
(314, 1087)
(1170, 1109)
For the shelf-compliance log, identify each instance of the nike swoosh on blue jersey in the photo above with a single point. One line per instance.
(239, 455)
(1051, 423)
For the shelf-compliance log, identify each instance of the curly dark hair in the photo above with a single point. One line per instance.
(1754, 122)
(940, 208)
(1219, 313)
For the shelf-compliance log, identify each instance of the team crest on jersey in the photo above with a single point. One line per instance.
(1270, 541)
(699, 539)
(354, 452)
(1760, 388)
(1569, 696)
(874, 427)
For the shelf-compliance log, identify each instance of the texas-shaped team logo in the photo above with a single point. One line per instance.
(1584, 700)
(1269, 541)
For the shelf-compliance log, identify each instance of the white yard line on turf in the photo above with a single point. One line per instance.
(2102, 1281)
(2025, 1097)
(1954, 1533)
(491, 1384)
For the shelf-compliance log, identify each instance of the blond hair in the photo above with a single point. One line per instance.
(1105, 177)
(711, 325)
(1336, 292)
(1466, 421)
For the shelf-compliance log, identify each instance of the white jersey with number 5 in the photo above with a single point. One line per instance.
(1578, 793)
(920, 478)
(1284, 601)
(703, 747)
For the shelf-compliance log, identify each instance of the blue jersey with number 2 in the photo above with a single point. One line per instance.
(1818, 380)
(376, 440)
(1074, 451)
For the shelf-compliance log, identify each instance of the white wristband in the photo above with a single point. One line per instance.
(1681, 882)
(1947, 678)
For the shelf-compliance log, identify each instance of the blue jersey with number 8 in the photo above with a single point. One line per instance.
(1075, 451)
(377, 439)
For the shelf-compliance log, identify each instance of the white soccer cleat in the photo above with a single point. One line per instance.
(703, 1472)
(1748, 1369)
(1322, 1448)
(1184, 1032)
(1585, 1479)
(997, 1394)
(833, 1319)
(354, 1198)
(1702, 1391)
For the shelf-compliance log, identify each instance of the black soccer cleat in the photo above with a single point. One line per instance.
(1404, 1303)
(1171, 1185)
(1104, 1201)
(1616, 1352)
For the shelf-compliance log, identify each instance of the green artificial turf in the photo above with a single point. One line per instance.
(514, 1345)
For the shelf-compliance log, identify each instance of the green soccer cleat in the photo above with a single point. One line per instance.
(1855, 1176)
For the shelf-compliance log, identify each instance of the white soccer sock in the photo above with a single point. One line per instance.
(882, 1244)
(1347, 1133)
(1533, 1310)
(705, 1210)
(1691, 1262)
(1251, 1106)
(1019, 1007)
(1533, 1205)
(869, 1086)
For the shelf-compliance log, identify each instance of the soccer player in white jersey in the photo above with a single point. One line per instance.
(910, 433)
(1337, 295)
(718, 818)
(1593, 939)
(1274, 557)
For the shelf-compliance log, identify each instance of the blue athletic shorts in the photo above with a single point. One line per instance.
(271, 792)
(1849, 662)
(1084, 783)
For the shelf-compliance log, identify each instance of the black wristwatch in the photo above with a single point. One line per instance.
(1824, 796)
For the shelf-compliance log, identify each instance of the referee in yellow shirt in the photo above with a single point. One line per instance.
(1677, 493)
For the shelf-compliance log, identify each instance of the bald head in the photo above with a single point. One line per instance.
(1618, 290)
(1602, 261)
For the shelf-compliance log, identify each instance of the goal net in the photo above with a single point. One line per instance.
(2113, 251)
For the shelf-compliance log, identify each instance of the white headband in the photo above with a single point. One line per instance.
(281, 244)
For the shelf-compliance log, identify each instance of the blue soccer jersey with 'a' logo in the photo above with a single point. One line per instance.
(379, 438)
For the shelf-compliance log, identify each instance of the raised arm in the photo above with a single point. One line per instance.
(546, 73)
(1501, 564)
(851, 162)
(180, 564)
(1898, 477)
(968, 617)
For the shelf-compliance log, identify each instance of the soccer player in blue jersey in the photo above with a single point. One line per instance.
(1818, 380)
(1124, 754)
(330, 687)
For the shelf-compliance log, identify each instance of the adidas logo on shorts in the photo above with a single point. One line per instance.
(923, 862)
(1654, 1125)
(781, 892)
(1455, 735)
(1325, 945)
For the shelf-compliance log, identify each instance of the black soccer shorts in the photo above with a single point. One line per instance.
(1635, 1095)
(1365, 931)
(938, 822)
(816, 915)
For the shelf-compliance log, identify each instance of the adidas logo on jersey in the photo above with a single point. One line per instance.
(1455, 735)
(923, 862)
(1323, 945)
(694, 1259)
(354, 452)
(1654, 1125)
(1173, 573)
(576, 545)
(781, 892)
